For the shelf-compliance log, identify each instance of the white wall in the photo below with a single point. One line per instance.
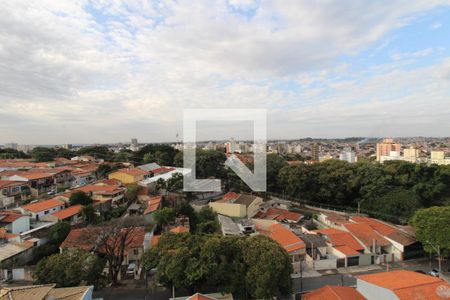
(20, 225)
(374, 292)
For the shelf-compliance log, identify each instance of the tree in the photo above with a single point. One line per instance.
(80, 197)
(207, 221)
(89, 215)
(69, 268)
(98, 152)
(9, 153)
(59, 232)
(268, 268)
(164, 216)
(114, 239)
(433, 228)
(103, 170)
(274, 164)
(255, 267)
(43, 154)
(131, 193)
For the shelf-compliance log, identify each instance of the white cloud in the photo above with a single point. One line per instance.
(121, 66)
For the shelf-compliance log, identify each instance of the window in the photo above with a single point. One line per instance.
(136, 252)
(46, 212)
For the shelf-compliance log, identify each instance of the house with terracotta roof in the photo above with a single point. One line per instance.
(332, 292)
(405, 245)
(14, 222)
(237, 205)
(39, 182)
(372, 241)
(71, 214)
(13, 249)
(293, 245)
(278, 214)
(41, 208)
(87, 239)
(153, 204)
(198, 296)
(341, 244)
(46, 292)
(14, 189)
(129, 176)
(402, 285)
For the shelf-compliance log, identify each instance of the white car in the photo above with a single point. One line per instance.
(434, 272)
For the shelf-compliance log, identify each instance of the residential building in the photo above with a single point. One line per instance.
(71, 214)
(347, 249)
(46, 292)
(214, 296)
(332, 292)
(14, 189)
(237, 205)
(149, 167)
(404, 245)
(129, 176)
(278, 214)
(402, 285)
(438, 158)
(372, 241)
(153, 204)
(41, 208)
(14, 250)
(315, 151)
(87, 239)
(293, 245)
(348, 155)
(38, 182)
(385, 148)
(14, 222)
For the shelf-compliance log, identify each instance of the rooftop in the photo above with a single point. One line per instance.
(331, 292)
(286, 238)
(43, 205)
(153, 204)
(366, 234)
(132, 171)
(44, 292)
(68, 212)
(408, 284)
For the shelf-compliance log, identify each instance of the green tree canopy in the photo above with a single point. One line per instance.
(251, 267)
(43, 154)
(80, 197)
(433, 226)
(59, 232)
(69, 268)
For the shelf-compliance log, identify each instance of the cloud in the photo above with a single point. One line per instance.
(119, 66)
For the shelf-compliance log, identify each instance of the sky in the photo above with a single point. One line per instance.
(85, 71)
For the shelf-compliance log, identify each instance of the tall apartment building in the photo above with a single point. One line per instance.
(315, 149)
(348, 155)
(387, 147)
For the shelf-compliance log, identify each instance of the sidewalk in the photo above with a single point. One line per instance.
(360, 269)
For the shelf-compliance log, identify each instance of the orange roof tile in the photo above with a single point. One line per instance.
(153, 204)
(43, 205)
(6, 183)
(68, 212)
(286, 238)
(284, 214)
(199, 296)
(162, 170)
(346, 250)
(154, 241)
(340, 238)
(132, 171)
(408, 284)
(386, 230)
(330, 292)
(9, 216)
(366, 234)
(179, 229)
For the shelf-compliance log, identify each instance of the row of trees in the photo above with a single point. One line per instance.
(252, 267)
(392, 191)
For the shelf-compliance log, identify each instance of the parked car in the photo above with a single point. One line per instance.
(434, 272)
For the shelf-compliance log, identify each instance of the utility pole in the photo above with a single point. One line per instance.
(438, 251)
